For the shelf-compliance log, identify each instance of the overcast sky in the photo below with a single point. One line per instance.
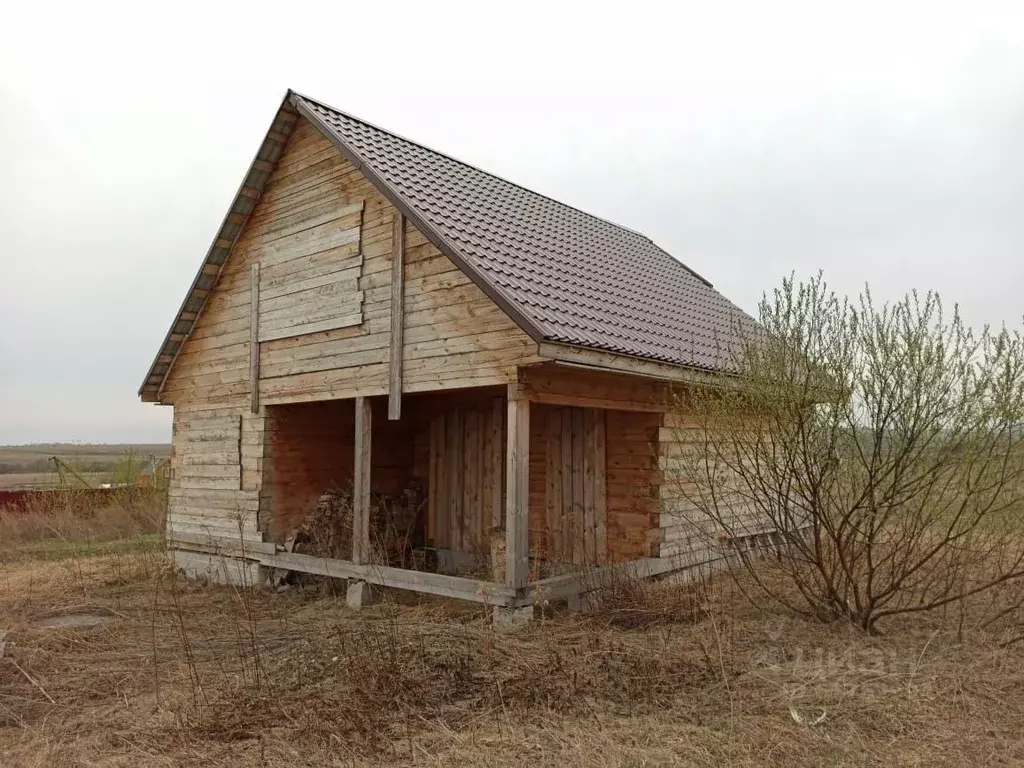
(884, 144)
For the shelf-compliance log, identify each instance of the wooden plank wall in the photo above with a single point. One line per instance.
(215, 473)
(465, 475)
(569, 459)
(454, 336)
(309, 274)
(632, 409)
(685, 532)
(633, 483)
(320, 237)
(310, 449)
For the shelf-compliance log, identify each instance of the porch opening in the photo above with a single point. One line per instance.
(438, 485)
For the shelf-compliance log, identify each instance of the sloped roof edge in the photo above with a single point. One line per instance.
(562, 275)
(244, 202)
(429, 231)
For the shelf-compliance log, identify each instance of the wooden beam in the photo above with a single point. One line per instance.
(398, 578)
(599, 457)
(517, 494)
(610, 362)
(397, 316)
(582, 401)
(224, 545)
(254, 339)
(495, 450)
(361, 491)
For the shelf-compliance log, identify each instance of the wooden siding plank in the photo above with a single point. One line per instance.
(553, 486)
(397, 318)
(289, 328)
(254, 342)
(435, 482)
(600, 487)
(569, 532)
(453, 460)
(361, 491)
(517, 455)
(576, 475)
(495, 451)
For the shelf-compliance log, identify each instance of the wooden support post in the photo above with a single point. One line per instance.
(397, 316)
(517, 494)
(361, 490)
(254, 341)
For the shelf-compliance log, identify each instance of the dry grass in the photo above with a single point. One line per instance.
(181, 674)
(73, 522)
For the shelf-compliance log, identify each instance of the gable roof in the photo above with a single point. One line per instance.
(563, 275)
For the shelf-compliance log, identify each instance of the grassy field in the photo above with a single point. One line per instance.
(165, 672)
(29, 467)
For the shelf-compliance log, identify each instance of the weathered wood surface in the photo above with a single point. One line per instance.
(632, 409)
(216, 471)
(685, 532)
(465, 474)
(399, 578)
(310, 277)
(310, 448)
(302, 232)
(517, 492)
(254, 337)
(361, 486)
(571, 490)
(397, 317)
(554, 384)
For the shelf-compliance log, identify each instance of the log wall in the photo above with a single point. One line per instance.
(322, 235)
(319, 246)
(310, 449)
(216, 471)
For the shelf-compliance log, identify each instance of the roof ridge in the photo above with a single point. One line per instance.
(477, 168)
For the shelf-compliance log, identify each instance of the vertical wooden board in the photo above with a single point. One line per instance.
(496, 435)
(435, 479)
(553, 486)
(486, 470)
(454, 472)
(576, 469)
(361, 490)
(569, 533)
(589, 504)
(397, 316)
(517, 453)
(600, 487)
(238, 454)
(254, 340)
(473, 507)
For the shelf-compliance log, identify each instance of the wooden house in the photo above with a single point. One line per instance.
(386, 335)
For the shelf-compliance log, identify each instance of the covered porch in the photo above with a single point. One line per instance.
(492, 494)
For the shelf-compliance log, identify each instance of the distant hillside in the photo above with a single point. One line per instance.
(29, 466)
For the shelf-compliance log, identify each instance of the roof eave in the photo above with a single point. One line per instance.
(597, 359)
(243, 204)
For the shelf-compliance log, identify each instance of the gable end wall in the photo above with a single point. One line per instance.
(454, 337)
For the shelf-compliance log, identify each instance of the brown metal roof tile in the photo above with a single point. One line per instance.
(573, 277)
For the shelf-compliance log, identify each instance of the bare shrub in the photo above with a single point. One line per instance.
(879, 448)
